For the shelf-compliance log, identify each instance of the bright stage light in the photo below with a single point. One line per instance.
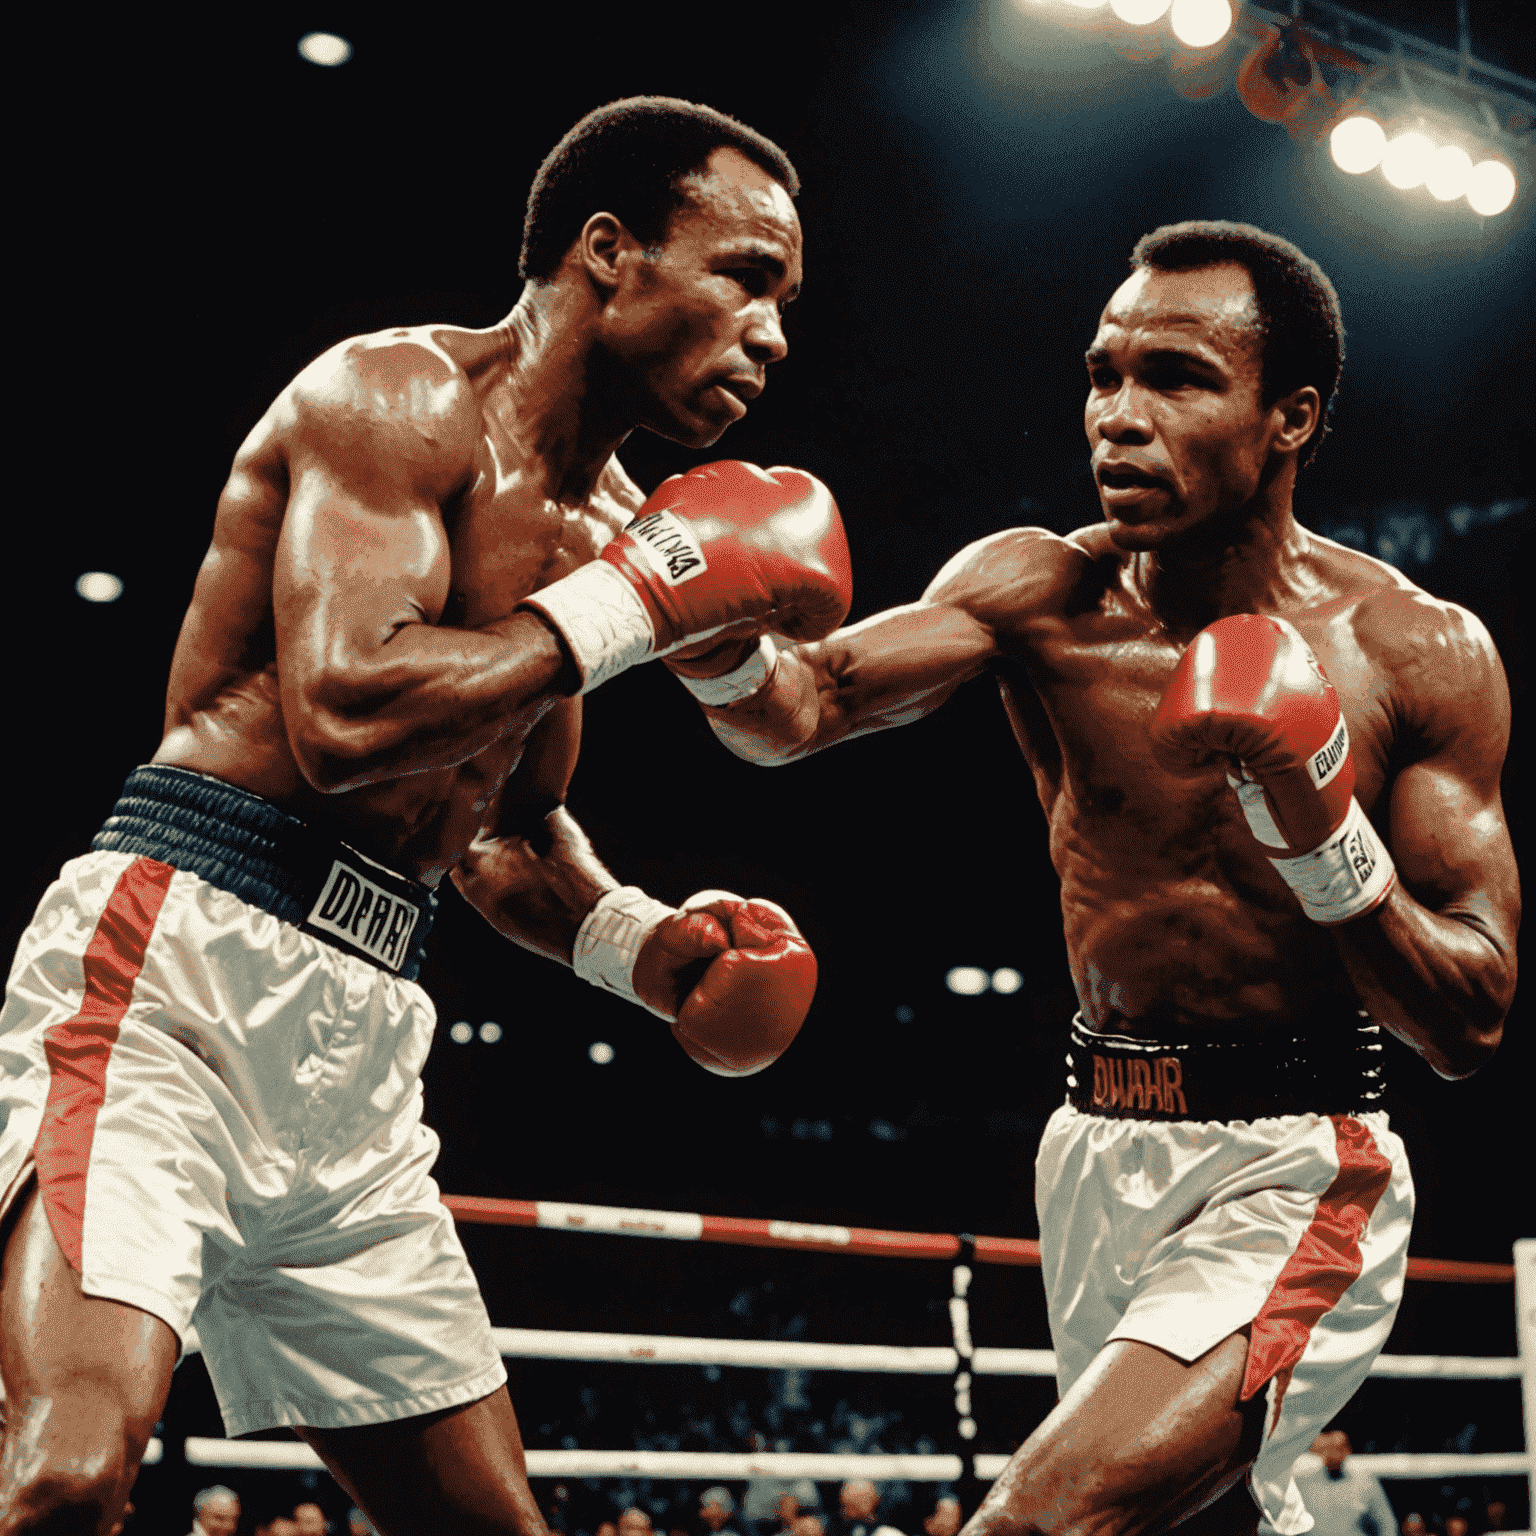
(600, 1052)
(99, 586)
(325, 48)
(1406, 160)
(1140, 13)
(1450, 168)
(1357, 145)
(967, 980)
(1490, 187)
(1007, 980)
(462, 1032)
(1200, 23)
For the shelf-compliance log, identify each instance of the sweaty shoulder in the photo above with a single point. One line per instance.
(396, 402)
(1018, 573)
(1442, 672)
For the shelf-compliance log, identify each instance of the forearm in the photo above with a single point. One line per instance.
(537, 888)
(1441, 982)
(431, 698)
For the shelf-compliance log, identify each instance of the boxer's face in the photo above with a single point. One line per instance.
(696, 324)
(1174, 415)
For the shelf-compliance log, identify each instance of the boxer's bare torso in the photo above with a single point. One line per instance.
(1174, 916)
(1172, 912)
(504, 530)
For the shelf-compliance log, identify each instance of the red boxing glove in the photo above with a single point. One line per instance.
(751, 1001)
(1249, 688)
(724, 543)
(743, 973)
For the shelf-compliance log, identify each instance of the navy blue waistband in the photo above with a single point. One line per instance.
(1336, 1066)
(247, 846)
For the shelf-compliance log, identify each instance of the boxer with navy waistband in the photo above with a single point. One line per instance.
(427, 552)
(1270, 766)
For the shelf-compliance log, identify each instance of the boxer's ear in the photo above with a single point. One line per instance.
(600, 247)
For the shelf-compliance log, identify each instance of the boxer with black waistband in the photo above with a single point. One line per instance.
(1271, 767)
(210, 1053)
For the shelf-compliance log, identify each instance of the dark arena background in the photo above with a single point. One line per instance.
(209, 211)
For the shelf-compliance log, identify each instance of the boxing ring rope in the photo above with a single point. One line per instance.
(961, 1360)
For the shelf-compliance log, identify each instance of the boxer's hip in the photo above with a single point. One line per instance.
(205, 915)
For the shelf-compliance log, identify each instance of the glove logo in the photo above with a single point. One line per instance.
(1362, 858)
(1325, 765)
(669, 547)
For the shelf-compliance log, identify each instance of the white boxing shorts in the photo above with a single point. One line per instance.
(222, 1110)
(1164, 1224)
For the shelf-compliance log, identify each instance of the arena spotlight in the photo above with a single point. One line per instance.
(1201, 23)
(600, 1052)
(462, 1032)
(1007, 980)
(325, 49)
(1405, 161)
(1357, 145)
(1490, 187)
(1450, 169)
(1140, 13)
(490, 1032)
(99, 586)
(967, 980)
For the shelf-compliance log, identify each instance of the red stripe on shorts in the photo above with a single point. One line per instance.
(1326, 1262)
(78, 1050)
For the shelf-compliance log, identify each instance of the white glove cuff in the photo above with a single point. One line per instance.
(610, 938)
(1347, 874)
(602, 619)
(732, 687)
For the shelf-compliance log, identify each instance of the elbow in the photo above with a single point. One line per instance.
(330, 752)
(1471, 1050)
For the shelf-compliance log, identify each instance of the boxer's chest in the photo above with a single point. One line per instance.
(510, 534)
(1098, 680)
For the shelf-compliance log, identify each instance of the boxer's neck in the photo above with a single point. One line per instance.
(1258, 567)
(562, 419)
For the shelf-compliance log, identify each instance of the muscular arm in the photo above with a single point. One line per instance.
(900, 665)
(531, 873)
(1436, 961)
(384, 435)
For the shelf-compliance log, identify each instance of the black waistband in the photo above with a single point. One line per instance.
(1335, 1067)
(246, 846)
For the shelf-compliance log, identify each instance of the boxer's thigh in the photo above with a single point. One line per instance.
(461, 1469)
(85, 1377)
(1141, 1441)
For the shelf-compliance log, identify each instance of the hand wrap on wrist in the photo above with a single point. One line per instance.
(1347, 874)
(610, 937)
(741, 683)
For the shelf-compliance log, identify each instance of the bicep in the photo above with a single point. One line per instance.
(363, 550)
(1447, 829)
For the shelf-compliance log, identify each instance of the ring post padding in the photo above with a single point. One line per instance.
(1525, 1331)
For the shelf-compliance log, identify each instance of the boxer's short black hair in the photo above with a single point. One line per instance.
(628, 159)
(1301, 324)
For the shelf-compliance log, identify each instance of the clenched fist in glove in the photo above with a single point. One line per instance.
(1250, 690)
(733, 977)
(725, 544)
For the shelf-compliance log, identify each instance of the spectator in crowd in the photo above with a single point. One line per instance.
(1343, 1500)
(945, 1519)
(858, 1501)
(1496, 1516)
(608, 1528)
(635, 1522)
(309, 1520)
(1413, 1525)
(808, 1525)
(1456, 1525)
(358, 1524)
(716, 1506)
(215, 1511)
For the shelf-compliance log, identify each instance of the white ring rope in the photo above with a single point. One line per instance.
(659, 1349)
